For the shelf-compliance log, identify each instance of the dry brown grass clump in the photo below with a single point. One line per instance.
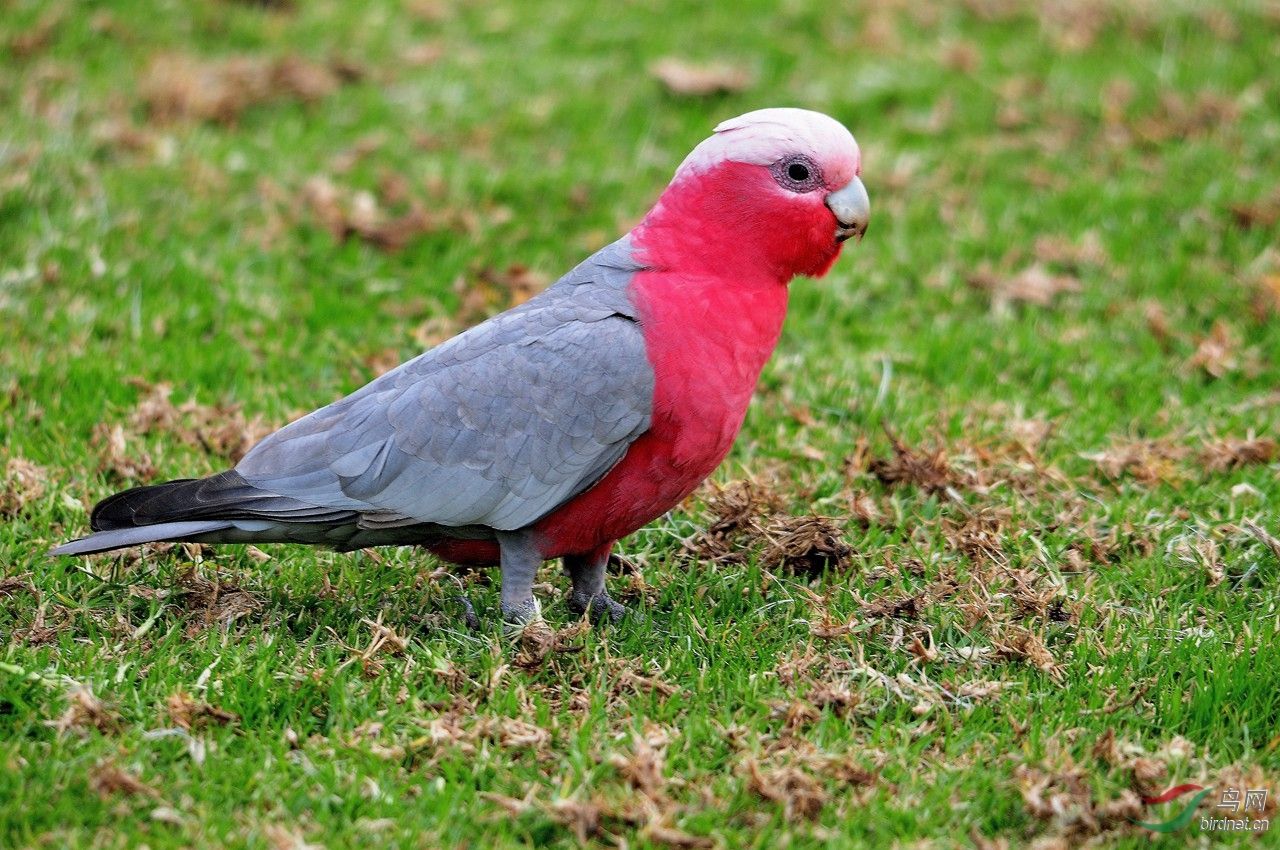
(538, 641)
(805, 545)
(209, 602)
(1017, 643)
(1233, 453)
(222, 430)
(746, 518)
(801, 796)
(21, 483)
(927, 469)
(1064, 798)
(84, 712)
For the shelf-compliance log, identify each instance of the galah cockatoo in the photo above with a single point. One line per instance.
(564, 424)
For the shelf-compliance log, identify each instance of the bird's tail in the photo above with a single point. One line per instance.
(222, 507)
(120, 538)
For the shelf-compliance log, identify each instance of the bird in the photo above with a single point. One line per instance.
(560, 426)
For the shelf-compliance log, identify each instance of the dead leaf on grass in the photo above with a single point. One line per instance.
(34, 40)
(629, 678)
(1147, 461)
(189, 713)
(978, 535)
(1179, 116)
(1033, 285)
(1248, 777)
(690, 79)
(108, 779)
(178, 86)
(645, 767)
(500, 289)
(222, 430)
(1217, 352)
(584, 818)
(1148, 776)
(115, 458)
(423, 53)
(1263, 536)
(1261, 214)
(738, 506)
(1228, 453)
(1063, 251)
(1074, 25)
(345, 213)
(1266, 297)
(284, 837)
(383, 641)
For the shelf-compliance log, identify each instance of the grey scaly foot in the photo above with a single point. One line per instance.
(521, 614)
(589, 595)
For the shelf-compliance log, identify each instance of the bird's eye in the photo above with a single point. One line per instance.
(797, 173)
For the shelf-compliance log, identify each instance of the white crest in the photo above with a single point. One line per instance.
(766, 135)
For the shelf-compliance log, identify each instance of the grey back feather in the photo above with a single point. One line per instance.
(496, 427)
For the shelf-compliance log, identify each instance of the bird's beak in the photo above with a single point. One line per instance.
(852, 209)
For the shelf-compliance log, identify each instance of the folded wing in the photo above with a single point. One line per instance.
(497, 427)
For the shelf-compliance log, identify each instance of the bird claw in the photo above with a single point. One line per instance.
(469, 616)
(516, 617)
(598, 608)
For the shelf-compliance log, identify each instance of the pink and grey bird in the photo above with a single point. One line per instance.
(564, 424)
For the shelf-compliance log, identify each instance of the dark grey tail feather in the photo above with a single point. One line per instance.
(119, 538)
(225, 508)
(223, 496)
(224, 505)
(342, 536)
(121, 510)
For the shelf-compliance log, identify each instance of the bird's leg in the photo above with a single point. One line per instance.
(520, 562)
(589, 593)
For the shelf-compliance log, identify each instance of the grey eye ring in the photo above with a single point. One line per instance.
(797, 173)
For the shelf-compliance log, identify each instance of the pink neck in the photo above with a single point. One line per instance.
(721, 223)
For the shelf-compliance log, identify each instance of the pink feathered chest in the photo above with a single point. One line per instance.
(707, 343)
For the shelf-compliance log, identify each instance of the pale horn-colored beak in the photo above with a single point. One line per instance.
(852, 209)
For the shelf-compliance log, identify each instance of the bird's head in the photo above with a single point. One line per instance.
(775, 190)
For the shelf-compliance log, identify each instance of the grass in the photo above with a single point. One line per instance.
(1072, 612)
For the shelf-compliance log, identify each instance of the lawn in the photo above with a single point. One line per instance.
(994, 557)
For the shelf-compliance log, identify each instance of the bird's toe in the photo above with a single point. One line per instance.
(599, 608)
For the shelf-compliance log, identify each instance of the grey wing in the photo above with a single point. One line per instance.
(497, 427)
